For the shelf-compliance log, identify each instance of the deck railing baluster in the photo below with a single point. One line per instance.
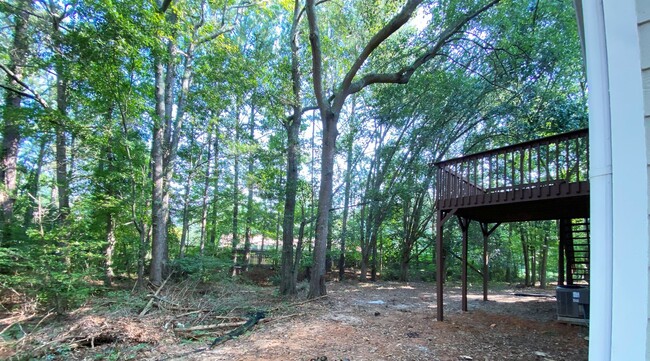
(533, 167)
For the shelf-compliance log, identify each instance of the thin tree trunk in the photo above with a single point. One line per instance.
(405, 259)
(249, 185)
(145, 233)
(215, 193)
(373, 265)
(524, 247)
(110, 249)
(204, 198)
(544, 263)
(186, 211)
(346, 205)
(533, 265)
(34, 186)
(292, 127)
(187, 197)
(312, 183)
(235, 202)
(61, 138)
(296, 263)
(259, 258)
(110, 212)
(363, 241)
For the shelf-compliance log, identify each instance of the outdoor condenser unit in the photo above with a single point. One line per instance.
(572, 303)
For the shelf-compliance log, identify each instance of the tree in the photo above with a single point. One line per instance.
(167, 130)
(330, 107)
(12, 117)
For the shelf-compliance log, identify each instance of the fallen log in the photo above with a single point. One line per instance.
(210, 327)
(239, 330)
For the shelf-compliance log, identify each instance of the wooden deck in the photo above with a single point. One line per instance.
(543, 179)
(537, 180)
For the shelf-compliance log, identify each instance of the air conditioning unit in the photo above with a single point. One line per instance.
(572, 302)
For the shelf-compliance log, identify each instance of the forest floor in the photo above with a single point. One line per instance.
(355, 321)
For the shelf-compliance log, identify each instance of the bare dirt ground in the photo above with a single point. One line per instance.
(356, 321)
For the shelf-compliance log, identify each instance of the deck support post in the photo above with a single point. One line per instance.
(464, 226)
(442, 217)
(566, 257)
(560, 256)
(487, 231)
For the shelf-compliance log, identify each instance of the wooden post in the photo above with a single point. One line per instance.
(485, 261)
(439, 265)
(443, 216)
(464, 226)
(560, 258)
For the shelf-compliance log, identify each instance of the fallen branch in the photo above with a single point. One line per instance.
(21, 318)
(533, 295)
(152, 298)
(210, 327)
(191, 312)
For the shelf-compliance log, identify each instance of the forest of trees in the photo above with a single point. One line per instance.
(141, 139)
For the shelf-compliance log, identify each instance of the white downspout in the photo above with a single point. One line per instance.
(600, 182)
(629, 182)
(619, 183)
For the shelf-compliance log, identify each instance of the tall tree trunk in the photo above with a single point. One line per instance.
(287, 282)
(346, 204)
(186, 211)
(12, 119)
(312, 183)
(524, 247)
(61, 137)
(292, 127)
(277, 237)
(204, 197)
(109, 187)
(249, 185)
(317, 281)
(235, 202)
(158, 210)
(215, 193)
(166, 137)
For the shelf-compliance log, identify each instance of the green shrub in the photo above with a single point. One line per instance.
(206, 268)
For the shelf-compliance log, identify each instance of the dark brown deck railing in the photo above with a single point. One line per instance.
(542, 166)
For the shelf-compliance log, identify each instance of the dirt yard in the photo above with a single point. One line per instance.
(356, 321)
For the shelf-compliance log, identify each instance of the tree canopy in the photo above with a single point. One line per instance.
(145, 139)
